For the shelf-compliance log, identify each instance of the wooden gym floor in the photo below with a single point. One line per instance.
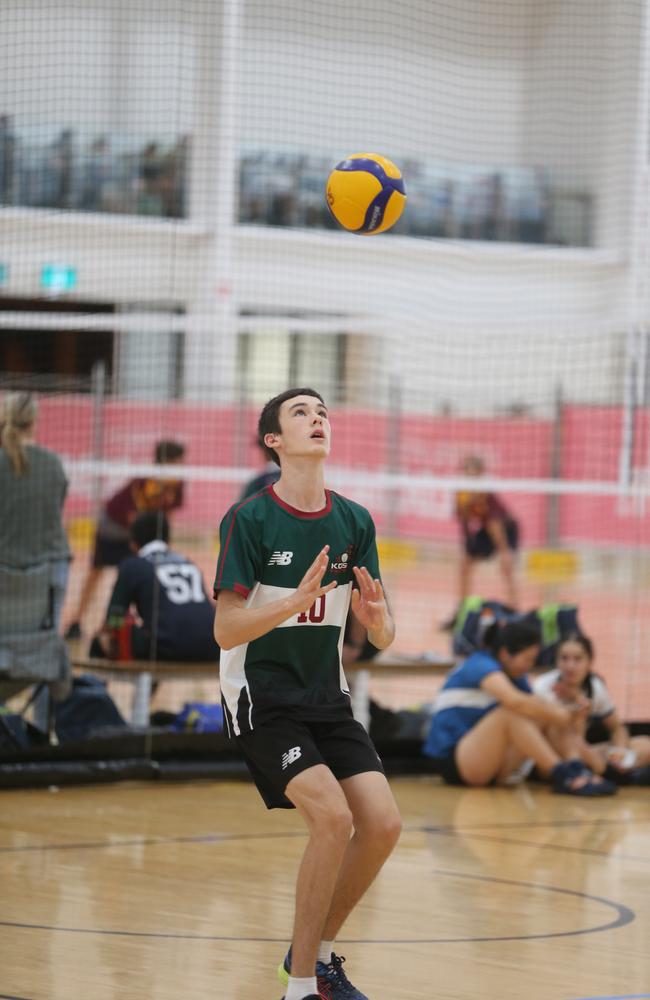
(161, 891)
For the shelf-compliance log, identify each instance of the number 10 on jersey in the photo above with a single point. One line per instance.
(316, 613)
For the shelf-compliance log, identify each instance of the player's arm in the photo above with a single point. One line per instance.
(529, 705)
(235, 624)
(371, 609)
(116, 613)
(121, 598)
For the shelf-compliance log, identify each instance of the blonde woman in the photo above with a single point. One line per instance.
(32, 492)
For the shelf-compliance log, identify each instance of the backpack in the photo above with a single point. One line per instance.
(88, 709)
(554, 621)
(198, 717)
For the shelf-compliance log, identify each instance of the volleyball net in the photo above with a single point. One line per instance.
(171, 265)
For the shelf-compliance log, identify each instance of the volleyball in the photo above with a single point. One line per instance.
(365, 193)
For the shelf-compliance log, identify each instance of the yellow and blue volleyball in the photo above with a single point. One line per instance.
(365, 193)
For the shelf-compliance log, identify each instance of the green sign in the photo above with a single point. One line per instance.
(4, 273)
(58, 278)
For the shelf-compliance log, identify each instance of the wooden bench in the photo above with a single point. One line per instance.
(142, 673)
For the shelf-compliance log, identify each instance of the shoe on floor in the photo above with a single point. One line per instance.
(572, 777)
(332, 982)
(331, 976)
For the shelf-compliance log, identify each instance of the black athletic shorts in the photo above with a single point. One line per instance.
(447, 768)
(479, 544)
(277, 750)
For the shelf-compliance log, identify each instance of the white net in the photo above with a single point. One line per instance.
(168, 263)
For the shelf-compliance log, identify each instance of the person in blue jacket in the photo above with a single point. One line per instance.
(487, 720)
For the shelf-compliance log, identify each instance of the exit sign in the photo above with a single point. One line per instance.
(58, 278)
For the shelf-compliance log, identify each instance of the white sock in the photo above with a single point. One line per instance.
(298, 989)
(325, 952)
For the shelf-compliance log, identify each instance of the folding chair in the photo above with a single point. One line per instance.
(32, 653)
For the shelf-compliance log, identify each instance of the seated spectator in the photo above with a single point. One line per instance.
(176, 616)
(112, 535)
(150, 201)
(571, 681)
(7, 159)
(487, 720)
(97, 176)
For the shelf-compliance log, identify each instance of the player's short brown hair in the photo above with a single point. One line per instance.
(269, 422)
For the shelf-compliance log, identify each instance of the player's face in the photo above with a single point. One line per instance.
(573, 662)
(518, 664)
(305, 428)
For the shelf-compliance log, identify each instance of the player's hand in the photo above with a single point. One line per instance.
(310, 587)
(566, 693)
(368, 602)
(580, 711)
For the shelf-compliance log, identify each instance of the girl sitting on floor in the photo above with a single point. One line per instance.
(603, 742)
(487, 720)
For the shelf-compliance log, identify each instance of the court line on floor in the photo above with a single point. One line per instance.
(96, 845)
(624, 996)
(624, 916)
(219, 837)
(216, 838)
(591, 851)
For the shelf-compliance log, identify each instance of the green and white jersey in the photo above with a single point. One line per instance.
(266, 549)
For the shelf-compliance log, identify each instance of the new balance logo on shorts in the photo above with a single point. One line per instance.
(280, 559)
(291, 756)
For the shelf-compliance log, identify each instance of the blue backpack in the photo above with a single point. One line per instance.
(198, 717)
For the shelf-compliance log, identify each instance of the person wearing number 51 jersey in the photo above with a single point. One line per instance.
(175, 614)
(294, 558)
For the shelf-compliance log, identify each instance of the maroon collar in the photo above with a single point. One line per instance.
(307, 514)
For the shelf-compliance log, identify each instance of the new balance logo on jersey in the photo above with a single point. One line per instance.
(280, 559)
(291, 756)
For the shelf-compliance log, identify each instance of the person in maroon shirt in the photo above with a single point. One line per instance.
(487, 529)
(112, 535)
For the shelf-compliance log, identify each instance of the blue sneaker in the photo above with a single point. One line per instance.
(332, 982)
(284, 971)
(332, 975)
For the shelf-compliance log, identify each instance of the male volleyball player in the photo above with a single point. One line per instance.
(293, 557)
